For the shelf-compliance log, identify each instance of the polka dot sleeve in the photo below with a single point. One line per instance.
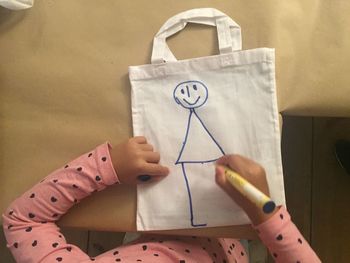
(284, 240)
(29, 222)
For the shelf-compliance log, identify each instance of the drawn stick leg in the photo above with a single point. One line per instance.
(190, 197)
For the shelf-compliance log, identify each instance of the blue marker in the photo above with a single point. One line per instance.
(144, 178)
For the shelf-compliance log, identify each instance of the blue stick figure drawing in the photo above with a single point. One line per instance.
(192, 95)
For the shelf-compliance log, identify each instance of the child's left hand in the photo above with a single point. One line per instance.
(136, 157)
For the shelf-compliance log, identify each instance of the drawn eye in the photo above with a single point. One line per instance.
(195, 87)
(182, 91)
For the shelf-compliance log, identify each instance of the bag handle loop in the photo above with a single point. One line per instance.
(228, 31)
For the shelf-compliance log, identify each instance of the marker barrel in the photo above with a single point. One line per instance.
(250, 191)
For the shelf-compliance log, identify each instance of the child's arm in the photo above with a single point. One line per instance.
(276, 230)
(29, 222)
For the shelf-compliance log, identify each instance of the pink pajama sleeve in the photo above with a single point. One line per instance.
(32, 235)
(28, 222)
(284, 240)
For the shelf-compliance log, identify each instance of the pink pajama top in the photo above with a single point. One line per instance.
(33, 236)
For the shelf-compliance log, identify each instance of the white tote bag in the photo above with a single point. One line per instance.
(196, 110)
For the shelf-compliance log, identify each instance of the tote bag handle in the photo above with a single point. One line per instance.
(228, 31)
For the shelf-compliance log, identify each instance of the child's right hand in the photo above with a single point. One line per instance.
(252, 172)
(136, 157)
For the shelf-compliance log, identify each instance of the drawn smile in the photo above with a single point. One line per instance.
(193, 102)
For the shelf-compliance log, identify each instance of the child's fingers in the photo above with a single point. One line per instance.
(140, 139)
(224, 160)
(248, 169)
(152, 157)
(232, 160)
(222, 181)
(220, 175)
(146, 147)
(155, 169)
(236, 162)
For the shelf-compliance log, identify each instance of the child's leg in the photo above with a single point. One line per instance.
(190, 198)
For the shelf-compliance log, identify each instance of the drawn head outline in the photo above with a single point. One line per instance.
(190, 94)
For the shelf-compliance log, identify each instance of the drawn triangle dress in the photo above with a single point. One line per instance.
(199, 145)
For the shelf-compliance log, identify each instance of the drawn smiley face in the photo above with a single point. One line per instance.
(191, 94)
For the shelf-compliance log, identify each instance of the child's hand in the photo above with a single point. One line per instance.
(136, 157)
(252, 172)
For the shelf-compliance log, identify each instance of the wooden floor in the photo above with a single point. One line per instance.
(317, 193)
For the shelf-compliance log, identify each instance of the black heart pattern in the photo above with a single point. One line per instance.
(98, 178)
(53, 199)
(28, 229)
(32, 195)
(34, 243)
(55, 244)
(31, 215)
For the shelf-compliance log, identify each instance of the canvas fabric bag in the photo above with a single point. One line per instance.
(193, 112)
